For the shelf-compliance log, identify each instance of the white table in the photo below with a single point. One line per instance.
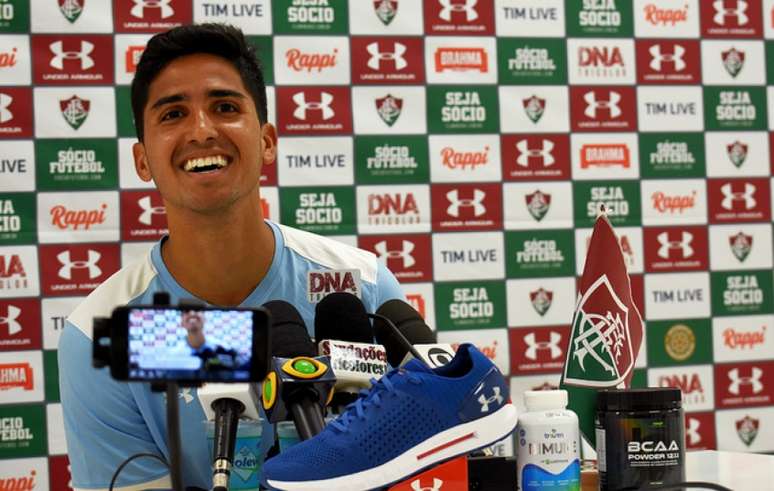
(734, 470)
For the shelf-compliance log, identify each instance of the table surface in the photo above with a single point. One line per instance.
(734, 470)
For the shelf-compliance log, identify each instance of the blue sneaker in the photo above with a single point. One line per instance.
(412, 418)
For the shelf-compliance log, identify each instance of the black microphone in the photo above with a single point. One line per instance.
(408, 328)
(300, 383)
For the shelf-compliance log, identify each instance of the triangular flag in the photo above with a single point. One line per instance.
(606, 328)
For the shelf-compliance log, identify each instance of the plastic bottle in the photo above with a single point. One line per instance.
(548, 443)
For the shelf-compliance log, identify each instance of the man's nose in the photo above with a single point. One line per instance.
(202, 127)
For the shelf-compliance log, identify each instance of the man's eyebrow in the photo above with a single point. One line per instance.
(225, 93)
(169, 99)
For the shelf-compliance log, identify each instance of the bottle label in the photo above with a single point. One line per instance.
(534, 477)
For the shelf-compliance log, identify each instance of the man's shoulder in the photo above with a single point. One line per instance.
(329, 253)
(124, 285)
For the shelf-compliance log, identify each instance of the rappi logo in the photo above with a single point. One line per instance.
(676, 249)
(660, 61)
(82, 59)
(151, 15)
(734, 18)
(321, 283)
(16, 376)
(466, 207)
(393, 209)
(23, 481)
(744, 384)
(544, 157)
(409, 257)
(398, 60)
(538, 350)
(743, 340)
(461, 160)
(77, 269)
(608, 109)
(300, 61)
(20, 324)
(672, 204)
(663, 17)
(459, 59)
(66, 219)
(739, 200)
(314, 110)
(15, 112)
(143, 216)
(456, 17)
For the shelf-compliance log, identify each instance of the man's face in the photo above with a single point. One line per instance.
(194, 324)
(204, 146)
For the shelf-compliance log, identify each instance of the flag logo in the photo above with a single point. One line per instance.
(538, 204)
(534, 107)
(386, 10)
(541, 300)
(741, 245)
(389, 108)
(75, 110)
(733, 61)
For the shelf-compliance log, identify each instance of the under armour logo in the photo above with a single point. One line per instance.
(675, 57)
(729, 196)
(611, 104)
(324, 105)
(60, 55)
(467, 7)
(477, 202)
(437, 483)
(5, 103)
(148, 210)
(404, 254)
(692, 431)
(721, 12)
(163, 5)
(68, 265)
(666, 245)
(10, 318)
(485, 402)
(185, 395)
(753, 380)
(396, 55)
(545, 153)
(552, 345)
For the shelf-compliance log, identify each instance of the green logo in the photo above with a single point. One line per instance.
(540, 253)
(264, 49)
(321, 210)
(474, 305)
(620, 198)
(741, 292)
(391, 159)
(14, 16)
(310, 17)
(304, 366)
(462, 109)
(531, 61)
(124, 112)
(22, 431)
(731, 108)
(679, 342)
(51, 374)
(71, 9)
(17, 218)
(667, 155)
(76, 164)
(607, 18)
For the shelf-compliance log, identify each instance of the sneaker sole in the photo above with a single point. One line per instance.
(443, 446)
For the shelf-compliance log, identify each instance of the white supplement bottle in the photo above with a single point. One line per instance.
(548, 442)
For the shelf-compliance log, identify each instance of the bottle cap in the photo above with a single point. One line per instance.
(540, 400)
(649, 399)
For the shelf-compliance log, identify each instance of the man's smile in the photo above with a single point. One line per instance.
(206, 164)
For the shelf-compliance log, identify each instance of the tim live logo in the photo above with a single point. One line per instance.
(321, 283)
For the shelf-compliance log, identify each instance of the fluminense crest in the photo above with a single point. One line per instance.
(541, 300)
(737, 153)
(71, 9)
(75, 110)
(538, 204)
(741, 245)
(747, 429)
(389, 108)
(386, 10)
(534, 107)
(733, 61)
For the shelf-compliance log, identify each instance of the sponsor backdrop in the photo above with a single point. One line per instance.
(467, 143)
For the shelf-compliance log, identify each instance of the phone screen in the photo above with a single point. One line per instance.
(189, 344)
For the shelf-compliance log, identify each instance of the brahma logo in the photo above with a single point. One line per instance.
(538, 204)
(417, 301)
(459, 17)
(16, 376)
(389, 108)
(605, 155)
(668, 61)
(143, 216)
(676, 249)
(461, 59)
(408, 256)
(75, 110)
(733, 61)
(322, 282)
(395, 61)
(299, 61)
(541, 300)
(739, 200)
(741, 245)
(747, 429)
(732, 18)
(603, 109)
(314, 110)
(77, 269)
(452, 159)
(71, 9)
(466, 207)
(151, 15)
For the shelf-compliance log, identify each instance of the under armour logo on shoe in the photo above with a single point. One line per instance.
(163, 5)
(449, 7)
(396, 55)
(485, 402)
(324, 105)
(417, 486)
(60, 55)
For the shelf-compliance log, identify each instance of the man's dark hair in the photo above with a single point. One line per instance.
(220, 40)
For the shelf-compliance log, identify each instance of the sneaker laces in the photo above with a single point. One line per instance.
(371, 398)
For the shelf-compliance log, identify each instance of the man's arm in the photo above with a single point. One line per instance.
(103, 425)
(387, 286)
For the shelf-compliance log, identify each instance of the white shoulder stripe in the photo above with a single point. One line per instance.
(160, 483)
(123, 286)
(330, 253)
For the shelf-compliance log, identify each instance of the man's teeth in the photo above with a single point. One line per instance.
(204, 162)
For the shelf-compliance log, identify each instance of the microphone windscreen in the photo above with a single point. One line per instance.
(289, 337)
(409, 323)
(343, 317)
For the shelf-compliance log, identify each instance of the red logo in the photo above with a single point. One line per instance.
(466, 206)
(675, 249)
(661, 61)
(544, 157)
(76, 269)
(538, 349)
(132, 57)
(15, 112)
(393, 209)
(314, 110)
(732, 18)
(688, 383)
(396, 60)
(743, 340)
(68, 60)
(59, 473)
(67, 219)
(151, 15)
(321, 283)
(672, 204)
(300, 61)
(143, 216)
(461, 60)
(12, 273)
(700, 431)
(739, 200)
(450, 475)
(418, 302)
(605, 155)
(663, 17)
(409, 257)
(16, 376)
(8, 59)
(744, 384)
(459, 17)
(20, 327)
(603, 109)
(452, 159)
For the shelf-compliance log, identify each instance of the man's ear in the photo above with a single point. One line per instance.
(141, 162)
(269, 142)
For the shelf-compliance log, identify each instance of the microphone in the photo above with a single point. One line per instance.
(299, 383)
(344, 333)
(410, 337)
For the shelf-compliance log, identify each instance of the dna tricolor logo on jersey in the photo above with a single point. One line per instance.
(76, 269)
(320, 283)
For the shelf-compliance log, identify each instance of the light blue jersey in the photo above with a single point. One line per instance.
(107, 421)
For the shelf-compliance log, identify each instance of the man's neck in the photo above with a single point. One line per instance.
(219, 259)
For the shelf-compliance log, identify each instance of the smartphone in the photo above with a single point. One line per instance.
(189, 344)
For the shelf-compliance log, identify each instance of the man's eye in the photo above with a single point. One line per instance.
(226, 107)
(173, 114)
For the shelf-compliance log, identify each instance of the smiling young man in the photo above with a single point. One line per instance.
(199, 105)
